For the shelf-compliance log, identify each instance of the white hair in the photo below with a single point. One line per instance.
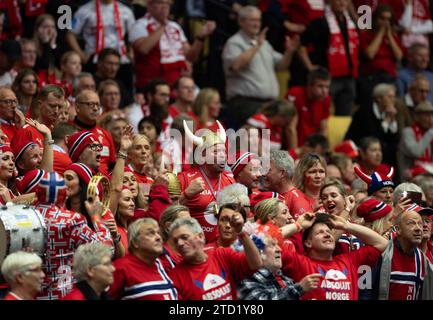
(17, 263)
(234, 193)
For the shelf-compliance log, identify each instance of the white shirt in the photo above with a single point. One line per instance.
(385, 125)
(84, 23)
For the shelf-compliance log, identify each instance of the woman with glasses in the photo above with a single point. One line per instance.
(94, 272)
(26, 88)
(381, 51)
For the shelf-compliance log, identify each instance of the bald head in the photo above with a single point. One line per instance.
(409, 228)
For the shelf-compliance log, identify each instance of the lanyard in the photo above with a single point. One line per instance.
(100, 36)
(215, 194)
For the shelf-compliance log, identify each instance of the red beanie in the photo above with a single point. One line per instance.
(78, 142)
(256, 198)
(241, 160)
(83, 171)
(5, 148)
(424, 211)
(29, 182)
(373, 209)
(19, 146)
(348, 147)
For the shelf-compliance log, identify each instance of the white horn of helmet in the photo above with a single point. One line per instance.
(196, 140)
(221, 132)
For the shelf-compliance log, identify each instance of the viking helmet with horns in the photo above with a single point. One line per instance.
(209, 139)
(377, 180)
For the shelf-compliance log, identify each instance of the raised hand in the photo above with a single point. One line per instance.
(46, 132)
(94, 208)
(306, 220)
(207, 29)
(196, 186)
(310, 282)
(338, 222)
(237, 222)
(262, 36)
(126, 139)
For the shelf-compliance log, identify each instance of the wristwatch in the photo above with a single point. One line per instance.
(48, 142)
(116, 240)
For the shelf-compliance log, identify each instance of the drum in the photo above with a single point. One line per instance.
(21, 226)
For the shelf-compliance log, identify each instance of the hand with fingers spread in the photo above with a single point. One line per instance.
(126, 139)
(338, 222)
(350, 203)
(46, 132)
(94, 208)
(310, 282)
(306, 220)
(402, 204)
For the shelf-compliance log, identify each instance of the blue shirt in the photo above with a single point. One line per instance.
(405, 77)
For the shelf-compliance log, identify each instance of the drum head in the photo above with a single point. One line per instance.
(4, 242)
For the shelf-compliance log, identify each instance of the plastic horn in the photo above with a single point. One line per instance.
(196, 140)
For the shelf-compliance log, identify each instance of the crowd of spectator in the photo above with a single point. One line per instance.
(168, 157)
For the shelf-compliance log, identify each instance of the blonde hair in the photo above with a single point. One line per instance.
(306, 162)
(267, 209)
(202, 102)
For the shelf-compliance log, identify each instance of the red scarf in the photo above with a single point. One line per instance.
(421, 10)
(35, 7)
(14, 17)
(419, 133)
(338, 62)
(100, 35)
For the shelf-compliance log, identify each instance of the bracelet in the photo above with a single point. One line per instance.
(242, 235)
(48, 142)
(122, 155)
(298, 226)
(116, 240)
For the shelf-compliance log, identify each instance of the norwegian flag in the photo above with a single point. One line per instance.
(52, 188)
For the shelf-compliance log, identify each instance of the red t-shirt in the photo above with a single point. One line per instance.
(201, 205)
(310, 113)
(384, 60)
(296, 202)
(28, 133)
(339, 277)
(136, 280)
(61, 161)
(173, 112)
(8, 129)
(214, 279)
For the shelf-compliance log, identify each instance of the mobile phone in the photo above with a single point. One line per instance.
(414, 196)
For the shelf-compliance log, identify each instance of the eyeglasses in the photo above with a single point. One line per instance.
(95, 147)
(9, 102)
(90, 104)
